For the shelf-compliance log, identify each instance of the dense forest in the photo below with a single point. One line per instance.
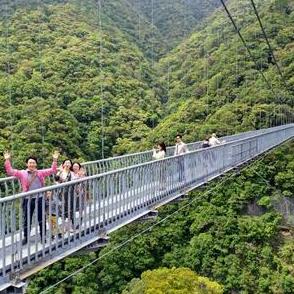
(174, 20)
(99, 78)
(88, 72)
(212, 85)
(67, 82)
(86, 69)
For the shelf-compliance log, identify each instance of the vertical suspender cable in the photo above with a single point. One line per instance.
(152, 60)
(41, 74)
(255, 79)
(207, 80)
(153, 32)
(237, 63)
(99, 8)
(8, 75)
(219, 34)
(207, 76)
(139, 21)
(168, 69)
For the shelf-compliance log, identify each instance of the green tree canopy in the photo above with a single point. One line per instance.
(172, 281)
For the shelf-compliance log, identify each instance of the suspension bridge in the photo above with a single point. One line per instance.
(120, 191)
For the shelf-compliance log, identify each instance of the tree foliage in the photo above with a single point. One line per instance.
(174, 280)
(212, 85)
(68, 82)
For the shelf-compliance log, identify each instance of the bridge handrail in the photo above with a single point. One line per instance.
(103, 165)
(77, 181)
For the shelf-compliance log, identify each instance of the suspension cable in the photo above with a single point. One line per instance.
(268, 43)
(41, 74)
(99, 7)
(207, 80)
(246, 46)
(152, 44)
(271, 51)
(153, 33)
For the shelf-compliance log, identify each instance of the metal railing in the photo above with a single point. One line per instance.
(117, 162)
(11, 186)
(70, 215)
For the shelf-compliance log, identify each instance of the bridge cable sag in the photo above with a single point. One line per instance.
(271, 53)
(268, 43)
(284, 116)
(247, 47)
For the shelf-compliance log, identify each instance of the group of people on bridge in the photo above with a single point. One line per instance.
(33, 179)
(71, 199)
(159, 152)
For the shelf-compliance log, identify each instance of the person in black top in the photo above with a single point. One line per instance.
(205, 143)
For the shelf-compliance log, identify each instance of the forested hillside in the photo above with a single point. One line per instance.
(79, 76)
(212, 85)
(67, 82)
(174, 19)
(137, 28)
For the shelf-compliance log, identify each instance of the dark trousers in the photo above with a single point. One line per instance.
(29, 207)
(68, 200)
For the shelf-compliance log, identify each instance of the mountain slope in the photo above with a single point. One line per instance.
(59, 71)
(213, 86)
(175, 20)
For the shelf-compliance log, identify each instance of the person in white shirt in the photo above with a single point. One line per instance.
(213, 140)
(181, 147)
(66, 195)
(159, 153)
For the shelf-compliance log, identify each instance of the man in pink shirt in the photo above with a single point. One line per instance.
(32, 179)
